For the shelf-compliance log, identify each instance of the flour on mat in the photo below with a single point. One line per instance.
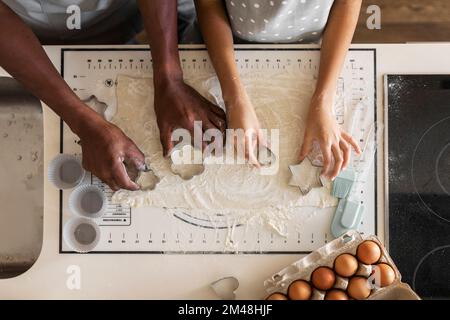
(236, 191)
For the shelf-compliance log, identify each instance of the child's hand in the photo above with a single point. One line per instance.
(241, 115)
(334, 143)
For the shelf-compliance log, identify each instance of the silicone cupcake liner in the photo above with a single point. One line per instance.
(81, 234)
(66, 172)
(88, 201)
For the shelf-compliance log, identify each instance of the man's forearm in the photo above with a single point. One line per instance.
(160, 19)
(336, 41)
(176, 104)
(22, 56)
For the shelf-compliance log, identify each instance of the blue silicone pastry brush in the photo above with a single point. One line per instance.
(344, 181)
(350, 209)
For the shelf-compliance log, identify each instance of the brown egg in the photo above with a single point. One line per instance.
(336, 294)
(346, 265)
(323, 278)
(358, 288)
(383, 274)
(368, 252)
(299, 290)
(277, 296)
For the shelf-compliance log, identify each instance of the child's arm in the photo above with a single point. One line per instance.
(321, 125)
(217, 34)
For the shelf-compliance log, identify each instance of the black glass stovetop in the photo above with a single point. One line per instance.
(419, 181)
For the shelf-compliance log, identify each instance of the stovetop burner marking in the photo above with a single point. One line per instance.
(437, 176)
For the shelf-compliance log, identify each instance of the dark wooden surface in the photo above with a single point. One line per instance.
(406, 21)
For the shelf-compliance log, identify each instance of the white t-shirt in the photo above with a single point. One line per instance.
(48, 18)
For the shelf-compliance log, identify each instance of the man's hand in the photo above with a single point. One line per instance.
(106, 150)
(177, 105)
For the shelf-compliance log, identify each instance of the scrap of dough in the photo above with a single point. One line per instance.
(224, 189)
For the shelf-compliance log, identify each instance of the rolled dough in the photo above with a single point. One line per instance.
(237, 190)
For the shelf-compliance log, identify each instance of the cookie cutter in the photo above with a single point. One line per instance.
(300, 170)
(143, 175)
(265, 156)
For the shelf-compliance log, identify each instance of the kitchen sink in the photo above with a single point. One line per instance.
(21, 178)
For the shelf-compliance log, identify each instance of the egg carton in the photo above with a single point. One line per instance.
(325, 256)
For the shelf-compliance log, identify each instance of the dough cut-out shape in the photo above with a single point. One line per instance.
(187, 171)
(185, 161)
(97, 105)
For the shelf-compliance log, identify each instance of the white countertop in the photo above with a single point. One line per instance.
(142, 276)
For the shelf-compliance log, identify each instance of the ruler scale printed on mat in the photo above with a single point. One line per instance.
(94, 72)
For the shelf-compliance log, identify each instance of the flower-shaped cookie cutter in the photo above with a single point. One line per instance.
(142, 174)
